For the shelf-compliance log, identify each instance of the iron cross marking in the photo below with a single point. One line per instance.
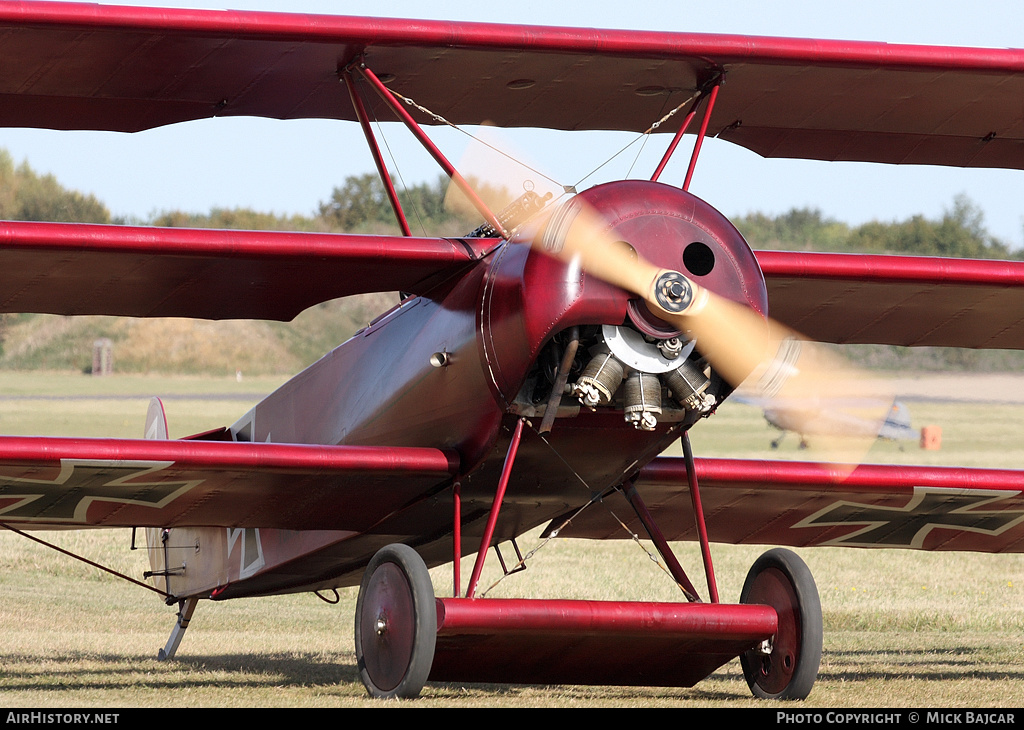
(66, 498)
(908, 526)
(251, 552)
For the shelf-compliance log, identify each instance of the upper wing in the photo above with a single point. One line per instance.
(94, 67)
(897, 300)
(804, 504)
(70, 268)
(70, 483)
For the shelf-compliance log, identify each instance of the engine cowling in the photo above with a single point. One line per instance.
(628, 358)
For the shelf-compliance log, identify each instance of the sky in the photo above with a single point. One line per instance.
(290, 167)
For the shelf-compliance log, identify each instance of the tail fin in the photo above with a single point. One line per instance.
(897, 426)
(899, 415)
(156, 420)
(156, 428)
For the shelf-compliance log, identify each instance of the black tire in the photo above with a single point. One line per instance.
(396, 623)
(780, 579)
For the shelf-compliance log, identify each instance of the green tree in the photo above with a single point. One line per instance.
(361, 205)
(360, 200)
(802, 229)
(960, 233)
(26, 195)
(234, 218)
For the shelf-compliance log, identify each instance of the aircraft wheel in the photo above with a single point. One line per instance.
(787, 669)
(396, 623)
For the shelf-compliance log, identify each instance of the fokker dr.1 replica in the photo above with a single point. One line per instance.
(537, 366)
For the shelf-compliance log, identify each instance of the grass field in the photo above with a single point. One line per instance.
(901, 628)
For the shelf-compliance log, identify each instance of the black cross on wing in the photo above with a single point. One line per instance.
(908, 526)
(80, 482)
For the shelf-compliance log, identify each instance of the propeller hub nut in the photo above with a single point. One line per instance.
(673, 292)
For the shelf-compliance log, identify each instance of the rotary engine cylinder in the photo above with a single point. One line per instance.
(642, 400)
(688, 384)
(600, 379)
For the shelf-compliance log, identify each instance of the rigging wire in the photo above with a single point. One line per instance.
(401, 177)
(478, 140)
(632, 535)
(85, 560)
(643, 137)
(647, 137)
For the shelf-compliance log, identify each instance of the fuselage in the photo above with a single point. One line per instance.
(455, 368)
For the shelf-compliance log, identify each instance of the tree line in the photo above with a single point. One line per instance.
(25, 195)
(360, 205)
(959, 233)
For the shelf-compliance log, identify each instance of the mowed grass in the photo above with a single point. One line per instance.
(71, 404)
(901, 628)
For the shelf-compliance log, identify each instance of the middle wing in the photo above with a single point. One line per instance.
(897, 300)
(72, 268)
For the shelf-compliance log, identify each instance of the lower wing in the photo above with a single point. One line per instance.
(53, 483)
(806, 504)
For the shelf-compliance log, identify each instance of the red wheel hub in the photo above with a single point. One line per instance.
(388, 626)
(774, 589)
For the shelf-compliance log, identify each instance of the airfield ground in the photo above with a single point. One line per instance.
(902, 629)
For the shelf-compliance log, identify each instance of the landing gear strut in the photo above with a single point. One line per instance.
(785, 666)
(396, 623)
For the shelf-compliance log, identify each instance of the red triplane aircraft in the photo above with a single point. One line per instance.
(535, 367)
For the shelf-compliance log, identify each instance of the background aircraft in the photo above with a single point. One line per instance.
(444, 428)
(830, 420)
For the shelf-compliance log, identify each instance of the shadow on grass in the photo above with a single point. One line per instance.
(337, 674)
(939, 665)
(581, 693)
(79, 670)
(333, 674)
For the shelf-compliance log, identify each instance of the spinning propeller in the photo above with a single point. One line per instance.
(776, 366)
(780, 368)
